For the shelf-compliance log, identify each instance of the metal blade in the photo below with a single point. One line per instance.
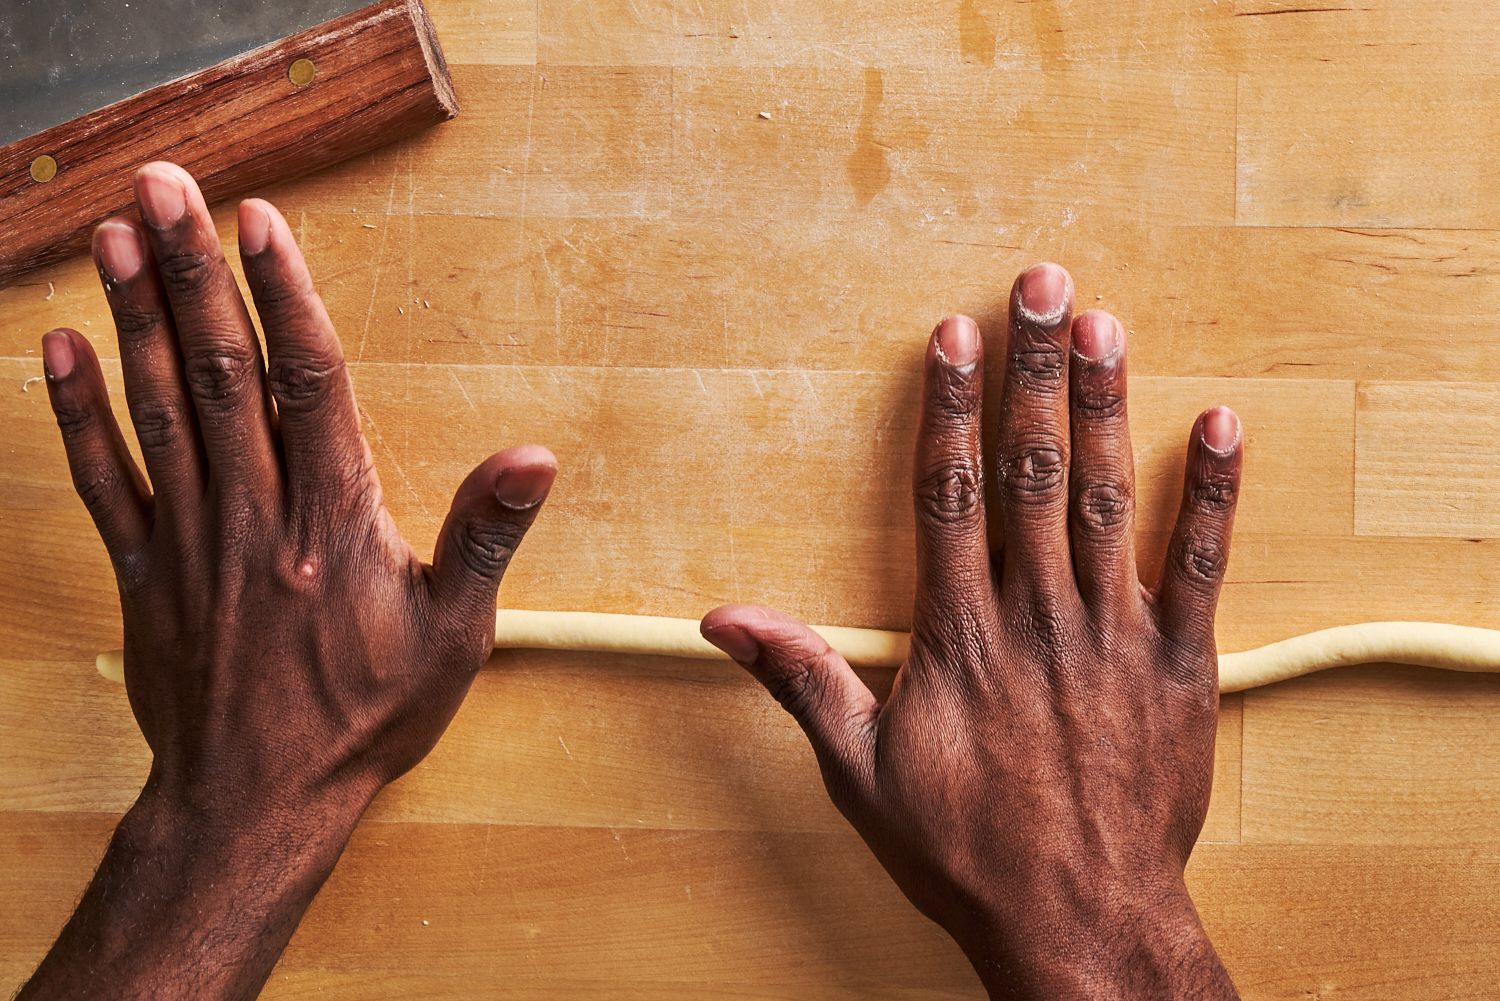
(60, 59)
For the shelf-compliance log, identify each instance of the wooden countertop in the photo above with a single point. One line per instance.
(696, 249)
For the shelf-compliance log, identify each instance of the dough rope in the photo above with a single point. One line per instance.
(1424, 644)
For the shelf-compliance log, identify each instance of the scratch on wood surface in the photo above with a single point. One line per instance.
(395, 463)
(615, 833)
(1298, 10)
(811, 389)
(460, 384)
(390, 204)
(582, 773)
(520, 371)
(530, 142)
(734, 568)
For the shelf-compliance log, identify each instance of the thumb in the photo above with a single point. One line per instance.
(807, 676)
(491, 511)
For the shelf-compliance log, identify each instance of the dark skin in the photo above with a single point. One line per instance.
(1034, 783)
(1038, 775)
(286, 653)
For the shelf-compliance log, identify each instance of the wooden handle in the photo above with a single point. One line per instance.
(377, 75)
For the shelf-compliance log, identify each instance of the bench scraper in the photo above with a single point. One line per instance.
(242, 93)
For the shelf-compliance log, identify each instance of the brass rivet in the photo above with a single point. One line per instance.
(302, 72)
(43, 169)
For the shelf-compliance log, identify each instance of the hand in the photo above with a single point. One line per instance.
(286, 653)
(1038, 776)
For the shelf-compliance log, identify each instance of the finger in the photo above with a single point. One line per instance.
(319, 425)
(1033, 481)
(155, 389)
(1199, 550)
(810, 680)
(953, 566)
(220, 354)
(104, 474)
(1102, 477)
(492, 510)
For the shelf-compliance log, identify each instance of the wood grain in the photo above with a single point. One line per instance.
(1450, 430)
(1286, 303)
(236, 126)
(552, 912)
(1389, 149)
(1383, 757)
(720, 333)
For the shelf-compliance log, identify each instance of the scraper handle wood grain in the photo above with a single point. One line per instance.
(370, 77)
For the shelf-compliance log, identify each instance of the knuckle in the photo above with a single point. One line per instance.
(956, 635)
(1046, 625)
(218, 374)
(302, 381)
(357, 479)
(1192, 664)
(97, 481)
(1103, 507)
(487, 547)
(1039, 366)
(188, 273)
(1213, 493)
(953, 400)
(74, 420)
(279, 295)
(1033, 473)
(156, 423)
(796, 684)
(950, 494)
(1201, 558)
(1099, 399)
(132, 572)
(134, 322)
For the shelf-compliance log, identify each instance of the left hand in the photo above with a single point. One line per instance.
(285, 650)
(286, 653)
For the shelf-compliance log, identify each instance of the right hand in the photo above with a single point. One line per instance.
(1038, 776)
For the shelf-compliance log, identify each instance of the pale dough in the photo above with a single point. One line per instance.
(1426, 644)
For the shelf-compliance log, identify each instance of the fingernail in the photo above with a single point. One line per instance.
(255, 228)
(120, 252)
(1044, 293)
(958, 341)
(522, 487)
(57, 355)
(1096, 335)
(735, 642)
(161, 196)
(1221, 430)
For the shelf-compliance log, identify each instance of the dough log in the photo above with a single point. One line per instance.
(1425, 644)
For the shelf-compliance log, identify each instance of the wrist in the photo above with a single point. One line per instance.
(190, 836)
(193, 899)
(1110, 947)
